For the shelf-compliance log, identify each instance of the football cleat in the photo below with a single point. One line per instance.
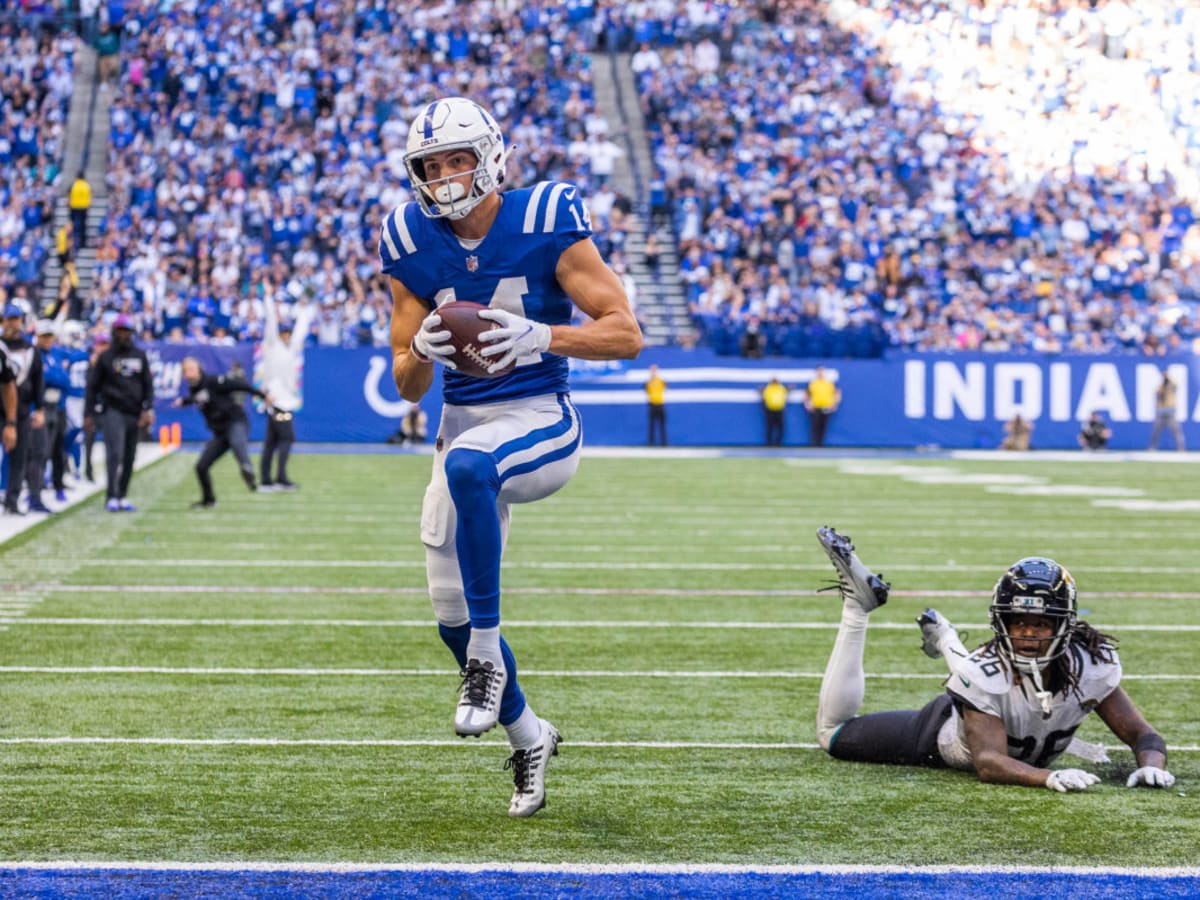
(855, 580)
(479, 701)
(935, 631)
(529, 773)
(113, 505)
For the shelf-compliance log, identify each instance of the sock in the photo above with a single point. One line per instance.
(512, 701)
(485, 645)
(526, 732)
(843, 686)
(456, 638)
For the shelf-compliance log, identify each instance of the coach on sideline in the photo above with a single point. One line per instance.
(120, 392)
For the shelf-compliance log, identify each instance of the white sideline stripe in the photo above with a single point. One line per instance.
(166, 622)
(442, 673)
(631, 868)
(218, 564)
(445, 742)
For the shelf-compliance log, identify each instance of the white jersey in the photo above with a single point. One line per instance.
(983, 683)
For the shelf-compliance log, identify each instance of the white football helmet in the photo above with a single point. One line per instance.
(452, 124)
(72, 333)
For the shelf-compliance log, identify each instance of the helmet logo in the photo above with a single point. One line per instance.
(1028, 602)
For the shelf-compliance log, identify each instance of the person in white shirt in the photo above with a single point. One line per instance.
(279, 370)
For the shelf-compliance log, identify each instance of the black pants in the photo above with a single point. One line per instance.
(120, 450)
(281, 434)
(56, 445)
(35, 462)
(658, 424)
(79, 221)
(902, 737)
(774, 427)
(819, 420)
(233, 438)
(18, 461)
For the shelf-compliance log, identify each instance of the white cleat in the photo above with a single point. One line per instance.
(529, 773)
(479, 701)
(856, 581)
(936, 631)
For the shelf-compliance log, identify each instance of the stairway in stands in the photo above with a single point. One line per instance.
(86, 149)
(661, 302)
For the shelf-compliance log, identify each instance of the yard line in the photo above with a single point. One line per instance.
(549, 591)
(570, 565)
(442, 673)
(169, 622)
(446, 742)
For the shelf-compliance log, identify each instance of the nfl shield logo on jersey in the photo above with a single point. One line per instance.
(472, 263)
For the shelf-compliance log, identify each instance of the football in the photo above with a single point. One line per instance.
(461, 319)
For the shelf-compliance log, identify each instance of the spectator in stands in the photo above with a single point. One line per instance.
(80, 201)
(1095, 433)
(821, 398)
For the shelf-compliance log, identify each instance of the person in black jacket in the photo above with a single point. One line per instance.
(8, 400)
(120, 393)
(27, 361)
(214, 395)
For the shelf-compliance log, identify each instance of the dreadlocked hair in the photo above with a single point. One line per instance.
(1062, 674)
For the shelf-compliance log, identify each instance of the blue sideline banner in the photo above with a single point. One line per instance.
(903, 400)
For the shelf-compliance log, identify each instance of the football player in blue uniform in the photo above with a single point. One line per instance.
(1010, 707)
(528, 255)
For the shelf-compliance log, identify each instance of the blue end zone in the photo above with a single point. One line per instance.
(129, 883)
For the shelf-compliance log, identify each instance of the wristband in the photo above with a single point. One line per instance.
(1151, 741)
(10, 423)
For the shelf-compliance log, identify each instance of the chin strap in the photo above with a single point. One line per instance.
(1040, 691)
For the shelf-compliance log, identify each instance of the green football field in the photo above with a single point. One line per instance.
(264, 681)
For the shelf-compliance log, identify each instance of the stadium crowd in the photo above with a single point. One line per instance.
(36, 78)
(840, 177)
(895, 173)
(258, 149)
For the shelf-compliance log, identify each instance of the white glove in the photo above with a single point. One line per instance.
(1063, 780)
(516, 337)
(1151, 776)
(431, 342)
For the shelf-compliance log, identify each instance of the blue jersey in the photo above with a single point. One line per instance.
(77, 366)
(511, 269)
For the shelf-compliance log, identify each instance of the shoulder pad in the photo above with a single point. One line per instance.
(981, 671)
(555, 206)
(396, 238)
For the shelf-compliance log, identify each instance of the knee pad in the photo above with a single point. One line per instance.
(471, 471)
(449, 606)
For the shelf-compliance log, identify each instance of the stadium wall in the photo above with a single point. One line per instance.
(903, 400)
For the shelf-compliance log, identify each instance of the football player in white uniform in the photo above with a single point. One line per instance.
(514, 438)
(1010, 707)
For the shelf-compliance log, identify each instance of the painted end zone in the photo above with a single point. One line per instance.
(520, 885)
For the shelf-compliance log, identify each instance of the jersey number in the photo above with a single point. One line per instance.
(509, 296)
(1054, 744)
